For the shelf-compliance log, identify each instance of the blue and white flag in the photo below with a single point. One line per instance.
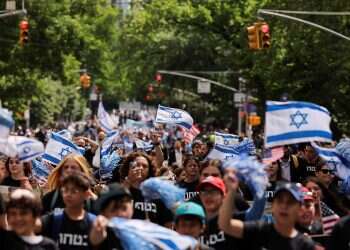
(334, 160)
(6, 123)
(224, 139)
(108, 164)
(145, 235)
(174, 116)
(107, 143)
(295, 122)
(156, 188)
(40, 171)
(137, 124)
(23, 147)
(65, 133)
(104, 119)
(59, 147)
(225, 153)
(222, 153)
(250, 171)
(143, 145)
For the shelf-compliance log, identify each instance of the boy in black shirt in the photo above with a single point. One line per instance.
(23, 209)
(115, 201)
(71, 227)
(279, 235)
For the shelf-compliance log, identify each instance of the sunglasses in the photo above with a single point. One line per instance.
(327, 171)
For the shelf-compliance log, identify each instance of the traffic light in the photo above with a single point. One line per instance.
(24, 32)
(253, 36)
(85, 80)
(254, 120)
(264, 35)
(158, 78)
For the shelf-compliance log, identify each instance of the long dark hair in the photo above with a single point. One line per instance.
(124, 169)
(27, 167)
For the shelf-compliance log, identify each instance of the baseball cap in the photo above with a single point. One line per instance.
(292, 188)
(215, 182)
(190, 208)
(113, 191)
(307, 194)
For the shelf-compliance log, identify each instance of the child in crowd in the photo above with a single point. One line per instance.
(71, 227)
(115, 201)
(22, 210)
(281, 234)
(190, 219)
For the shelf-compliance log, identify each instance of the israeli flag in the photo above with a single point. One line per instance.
(107, 144)
(65, 133)
(145, 235)
(223, 153)
(295, 122)
(23, 147)
(59, 147)
(104, 119)
(174, 116)
(226, 139)
(40, 171)
(334, 160)
(6, 123)
(143, 145)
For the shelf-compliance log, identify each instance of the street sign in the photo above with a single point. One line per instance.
(10, 5)
(203, 87)
(239, 97)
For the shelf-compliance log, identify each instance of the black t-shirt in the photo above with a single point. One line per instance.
(111, 242)
(265, 235)
(72, 235)
(154, 209)
(215, 238)
(49, 205)
(340, 237)
(10, 241)
(8, 181)
(190, 189)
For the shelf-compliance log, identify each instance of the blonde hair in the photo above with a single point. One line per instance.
(53, 180)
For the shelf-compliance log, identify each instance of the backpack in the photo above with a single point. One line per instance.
(58, 219)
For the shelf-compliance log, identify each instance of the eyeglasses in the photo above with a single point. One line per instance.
(327, 171)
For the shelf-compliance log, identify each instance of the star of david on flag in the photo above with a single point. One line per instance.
(296, 122)
(23, 147)
(174, 116)
(59, 147)
(298, 119)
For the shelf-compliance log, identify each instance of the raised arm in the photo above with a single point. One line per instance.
(230, 226)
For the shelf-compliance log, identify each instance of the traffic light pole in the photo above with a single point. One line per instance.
(283, 14)
(13, 12)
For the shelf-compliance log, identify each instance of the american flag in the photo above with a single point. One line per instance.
(190, 134)
(272, 154)
(329, 218)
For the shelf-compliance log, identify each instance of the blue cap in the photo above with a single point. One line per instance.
(190, 208)
(293, 188)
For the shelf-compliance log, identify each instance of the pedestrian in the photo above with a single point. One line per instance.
(340, 237)
(22, 212)
(71, 227)
(190, 183)
(280, 234)
(71, 164)
(19, 173)
(115, 201)
(136, 168)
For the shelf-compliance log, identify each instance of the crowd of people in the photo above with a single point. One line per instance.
(302, 206)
